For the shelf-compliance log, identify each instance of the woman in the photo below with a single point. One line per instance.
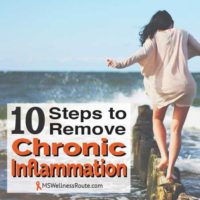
(163, 59)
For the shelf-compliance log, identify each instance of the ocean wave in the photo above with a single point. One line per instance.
(189, 165)
(138, 97)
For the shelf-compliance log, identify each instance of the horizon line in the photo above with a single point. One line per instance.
(81, 71)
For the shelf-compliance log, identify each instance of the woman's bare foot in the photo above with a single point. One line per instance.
(170, 176)
(163, 164)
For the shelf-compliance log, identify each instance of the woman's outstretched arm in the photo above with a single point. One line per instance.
(141, 53)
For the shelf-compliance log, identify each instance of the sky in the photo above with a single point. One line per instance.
(79, 35)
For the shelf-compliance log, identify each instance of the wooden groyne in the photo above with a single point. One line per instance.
(146, 158)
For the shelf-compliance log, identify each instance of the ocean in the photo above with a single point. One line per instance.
(69, 87)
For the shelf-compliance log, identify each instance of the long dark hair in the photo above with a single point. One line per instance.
(161, 20)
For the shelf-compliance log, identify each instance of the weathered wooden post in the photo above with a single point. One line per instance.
(142, 141)
(147, 157)
(155, 177)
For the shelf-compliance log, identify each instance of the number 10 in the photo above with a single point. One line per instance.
(28, 120)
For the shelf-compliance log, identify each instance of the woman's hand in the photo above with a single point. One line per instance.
(111, 63)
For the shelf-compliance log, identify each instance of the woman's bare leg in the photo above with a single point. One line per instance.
(179, 116)
(160, 135)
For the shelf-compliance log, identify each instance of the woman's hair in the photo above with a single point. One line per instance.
(161, 20)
